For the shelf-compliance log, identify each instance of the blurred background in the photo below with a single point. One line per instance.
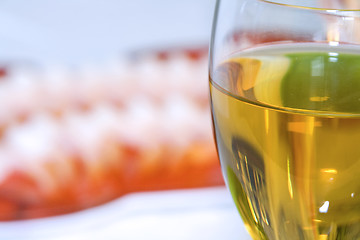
(105, 127)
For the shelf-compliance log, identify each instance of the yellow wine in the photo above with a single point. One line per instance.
(287, 129)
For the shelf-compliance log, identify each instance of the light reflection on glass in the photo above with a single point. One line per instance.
(333, 59)
(289, 179)
(329, 170)
(324, 208)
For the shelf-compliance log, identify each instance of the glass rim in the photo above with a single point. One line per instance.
(312, 8)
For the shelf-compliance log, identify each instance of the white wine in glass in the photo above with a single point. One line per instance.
(285, 97)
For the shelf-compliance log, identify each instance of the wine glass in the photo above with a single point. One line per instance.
(285, 98)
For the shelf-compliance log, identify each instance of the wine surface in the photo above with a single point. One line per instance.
(287, 128)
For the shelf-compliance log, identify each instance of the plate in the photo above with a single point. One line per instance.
(206, 213)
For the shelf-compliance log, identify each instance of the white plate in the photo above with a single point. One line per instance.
(177, 215)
